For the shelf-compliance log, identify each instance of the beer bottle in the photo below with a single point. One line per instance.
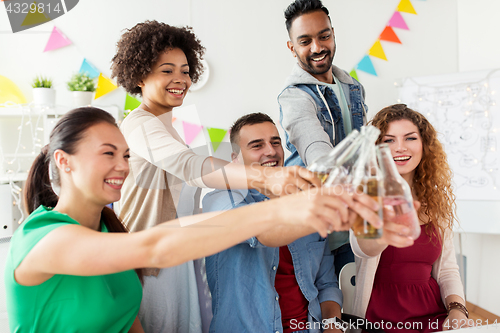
(367, 178)
(324, 164)
(397, 198)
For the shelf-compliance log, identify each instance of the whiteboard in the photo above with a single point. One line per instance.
(463, 108)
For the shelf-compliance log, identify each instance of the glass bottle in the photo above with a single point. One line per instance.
(367, 179)
(324, 164)
(397, 198)
(341, 174)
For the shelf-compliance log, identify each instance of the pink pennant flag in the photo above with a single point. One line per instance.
(397, 21)
(56, 40)
(190, 131)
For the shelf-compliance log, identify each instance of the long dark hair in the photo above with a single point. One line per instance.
(66, 135)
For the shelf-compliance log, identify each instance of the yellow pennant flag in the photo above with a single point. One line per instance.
(9, 92)
(35, 17)
(377, 50)
(104, 86)
(405, 6)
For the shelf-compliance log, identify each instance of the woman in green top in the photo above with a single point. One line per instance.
(70, 264)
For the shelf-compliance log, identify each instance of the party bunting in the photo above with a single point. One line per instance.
(366, 65)
(104, 86)
(88, 68)
(377, 50)
(405, 6)
(131, 103)
(354, 74)
(35, 17)
(174, 119)
(191, 131)
(216, 135)
(397, 21)
(389, 35)
(56, 40)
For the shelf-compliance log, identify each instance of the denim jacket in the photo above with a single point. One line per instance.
(310, 131)
(241, 279)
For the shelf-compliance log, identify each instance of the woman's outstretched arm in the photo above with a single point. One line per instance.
(77, 250)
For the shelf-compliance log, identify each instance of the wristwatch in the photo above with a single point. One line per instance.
(337, 322)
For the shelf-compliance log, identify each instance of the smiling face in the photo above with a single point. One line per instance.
(167, 84)
(99, 166)
(260, 143)
(405, 142)
(312, 42)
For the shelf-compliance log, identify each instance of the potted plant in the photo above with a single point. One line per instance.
(43, 93)
(83, 88)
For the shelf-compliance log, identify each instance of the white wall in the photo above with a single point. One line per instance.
(249, 61)
(246, 48)
(478, 49)
(477, 35)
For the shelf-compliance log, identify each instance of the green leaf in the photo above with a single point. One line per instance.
(41, 82)
(81, 82)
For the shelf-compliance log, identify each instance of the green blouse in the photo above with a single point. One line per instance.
(66, 303)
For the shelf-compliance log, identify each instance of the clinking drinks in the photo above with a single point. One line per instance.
(399, 210)
(324, 164)
(397, 199)
(362, 228)
(366, 177)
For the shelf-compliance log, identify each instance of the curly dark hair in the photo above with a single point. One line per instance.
(139, 48)
(433, 176)
(301, 7)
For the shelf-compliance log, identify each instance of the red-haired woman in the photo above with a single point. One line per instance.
(415, 288)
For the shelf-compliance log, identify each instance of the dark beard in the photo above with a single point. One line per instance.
(316, 70)
(309, 68)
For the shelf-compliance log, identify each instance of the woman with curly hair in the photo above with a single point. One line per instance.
(413, 284)
(160, 62)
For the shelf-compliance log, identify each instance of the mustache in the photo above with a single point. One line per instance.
(317, 55)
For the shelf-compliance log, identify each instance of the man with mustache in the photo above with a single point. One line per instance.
(279, 281)
(321, 103)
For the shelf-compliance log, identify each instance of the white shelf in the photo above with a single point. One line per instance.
(45, 118)
(31, 110)
(18, 177)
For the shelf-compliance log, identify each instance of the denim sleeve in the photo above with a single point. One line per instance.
(302, 125)
(326, 280)
(253, 242)
(365, 110)
(222, 200)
